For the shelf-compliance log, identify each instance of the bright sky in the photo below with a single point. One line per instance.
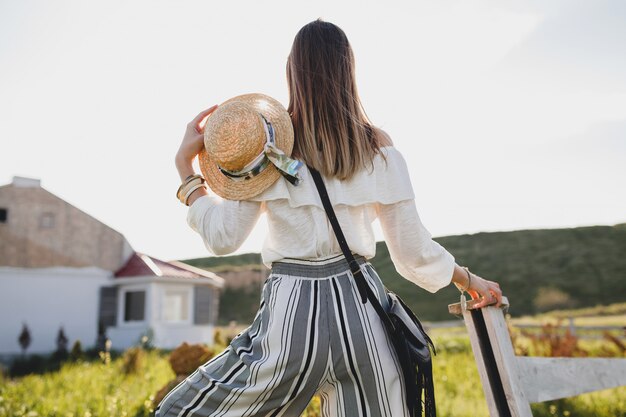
(510, 114)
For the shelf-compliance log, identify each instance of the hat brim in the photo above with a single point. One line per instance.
(231, 189)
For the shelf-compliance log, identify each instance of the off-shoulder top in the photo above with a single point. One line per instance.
(299, 228)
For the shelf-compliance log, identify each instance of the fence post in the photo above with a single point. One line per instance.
(511, 382)
(572, 328)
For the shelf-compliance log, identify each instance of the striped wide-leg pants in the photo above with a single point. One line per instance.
(311, 335)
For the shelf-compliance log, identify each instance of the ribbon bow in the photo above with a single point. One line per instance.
(287, 166)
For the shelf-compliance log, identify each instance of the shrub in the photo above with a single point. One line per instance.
(187, 358)
(550, 298)
(133, 360)
(449, 345)
(553, 342)
(24, 338)
(61, 353)
(105, 357)
(184, 360)
(146, 340)
(25, 365)
(77, 351)
(4, 373)
(218, 337)
(615, 347)
(62, 341)
(102, 338)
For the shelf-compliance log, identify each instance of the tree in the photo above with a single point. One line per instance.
(77, 351)
(24, 339)
(62, 341)
(102, 337)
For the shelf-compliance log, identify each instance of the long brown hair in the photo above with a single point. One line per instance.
(332, 131)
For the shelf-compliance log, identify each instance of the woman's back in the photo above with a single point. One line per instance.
(298, 227)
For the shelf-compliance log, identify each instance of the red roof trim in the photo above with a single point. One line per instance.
(141, 265)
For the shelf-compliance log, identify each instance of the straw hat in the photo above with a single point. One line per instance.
(248, 141)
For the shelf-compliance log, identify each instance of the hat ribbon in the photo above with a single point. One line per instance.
(287, 166)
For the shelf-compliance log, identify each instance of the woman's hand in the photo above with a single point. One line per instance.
(479, 287)
(193, 141)
(489, 290)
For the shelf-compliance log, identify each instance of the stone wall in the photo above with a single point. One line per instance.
(42, 230)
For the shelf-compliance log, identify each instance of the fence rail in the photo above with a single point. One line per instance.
(580, 331)
(511, 382)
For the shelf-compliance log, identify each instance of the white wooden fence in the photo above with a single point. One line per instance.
(580, 331)
(511, 383)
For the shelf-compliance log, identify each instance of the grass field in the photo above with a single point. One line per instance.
(94, 389)
(86, 389)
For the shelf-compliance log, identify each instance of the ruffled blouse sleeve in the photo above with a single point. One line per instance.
(415, 255)
(223, 224)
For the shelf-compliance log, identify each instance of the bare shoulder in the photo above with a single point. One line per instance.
(383, 137)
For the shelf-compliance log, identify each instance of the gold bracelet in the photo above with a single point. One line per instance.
(185, 187)
(469, 278)
(194, 188)
(187, 190)
(190, 181)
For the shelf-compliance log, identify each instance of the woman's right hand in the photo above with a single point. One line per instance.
(192, 144)
(193, 140)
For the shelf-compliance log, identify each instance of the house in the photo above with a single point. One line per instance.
(175, 301)
(60, 267)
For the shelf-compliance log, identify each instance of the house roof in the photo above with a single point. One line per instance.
(142, 265)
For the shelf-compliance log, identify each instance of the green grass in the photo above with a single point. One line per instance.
(616, 309)
(93, 389)
(86, 389)
(604, 320)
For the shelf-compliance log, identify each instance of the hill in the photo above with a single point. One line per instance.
(538, 270)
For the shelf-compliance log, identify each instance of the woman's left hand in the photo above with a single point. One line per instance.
(193, 141)
(489, 291)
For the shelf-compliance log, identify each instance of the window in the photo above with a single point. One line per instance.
(3, 215)
(46, 221)
(134, 305)
(176, 306)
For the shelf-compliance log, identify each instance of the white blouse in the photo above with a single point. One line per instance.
(299, 228)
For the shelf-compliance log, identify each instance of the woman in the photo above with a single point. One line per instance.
(312, 335)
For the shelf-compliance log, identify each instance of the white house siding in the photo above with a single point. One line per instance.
(165, 335)
(46, 299)
(170, 335)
